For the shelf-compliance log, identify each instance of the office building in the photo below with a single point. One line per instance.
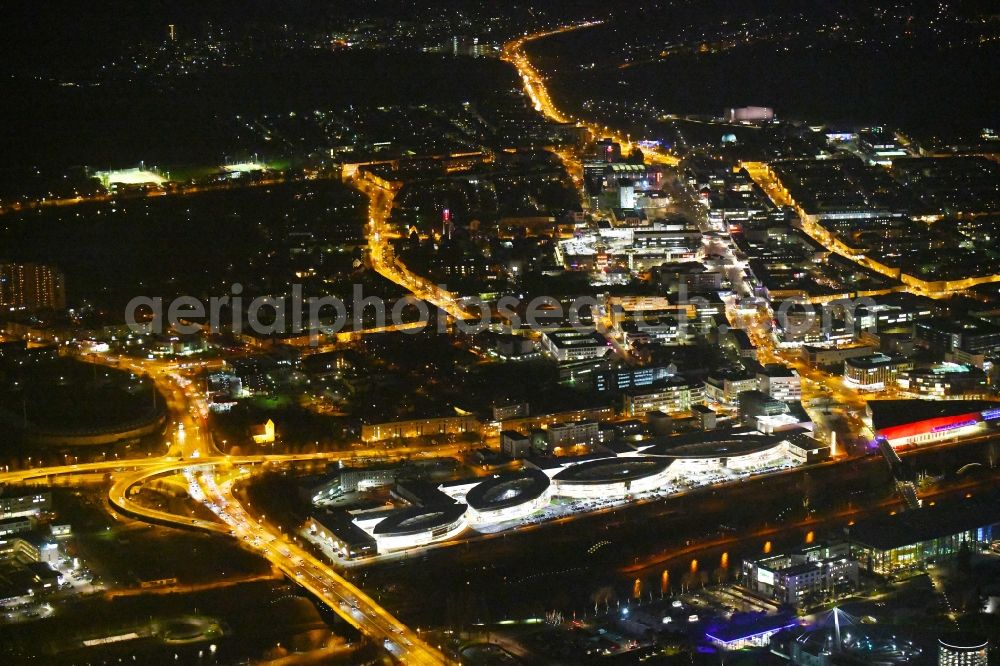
(569, 344)
(9, 526)
(572, 433)
(980, 359)
(464, 45)
(514, 346)
(804, 449)
(945, 381)
(660, 423)
(16, 549)
(510, 409)
(506, 497)
(805, 576)
(879, 146)
(968, 334)
(608, 151)
(671, 396)
(626, 378)
(741, 341)
(626, 196)
(891, 311)
(399, 529)
(20, 506)
(706, 416)
(251, 375)
(755, 404)
(875, 372)
(780, 382)
(724, 387)
(661, 330)
(823, 356)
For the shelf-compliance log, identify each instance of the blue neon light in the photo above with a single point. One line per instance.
(990, 414)
(953, 426)
(749, 636)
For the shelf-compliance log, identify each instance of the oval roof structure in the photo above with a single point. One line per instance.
(507, 490)
(612, 470)
(419, 519)
(723, 448)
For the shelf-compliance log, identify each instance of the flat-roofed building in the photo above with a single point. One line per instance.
(876, 371)
(804, 576)
(20, 550)
(754, 404)
(437, 425)
(671, 396)
(965, 333)
(515, 444)
(744, 346)
(346, 538)
(780, 382)
(19, 505)
(510, 410)
(572, 433)
(574, 345)
(626, 378)
(913, 539)
(529, 423)
(804, 449)
(822, 356)
(724, 387)
(9, 526)
(890, 311)
(945, 381)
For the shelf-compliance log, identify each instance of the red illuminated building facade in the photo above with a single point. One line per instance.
(894, 420)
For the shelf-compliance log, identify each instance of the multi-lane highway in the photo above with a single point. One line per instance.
(210, 482)
(210, 474)
(356, 607)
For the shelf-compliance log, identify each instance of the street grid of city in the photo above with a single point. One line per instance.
(774, 424)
